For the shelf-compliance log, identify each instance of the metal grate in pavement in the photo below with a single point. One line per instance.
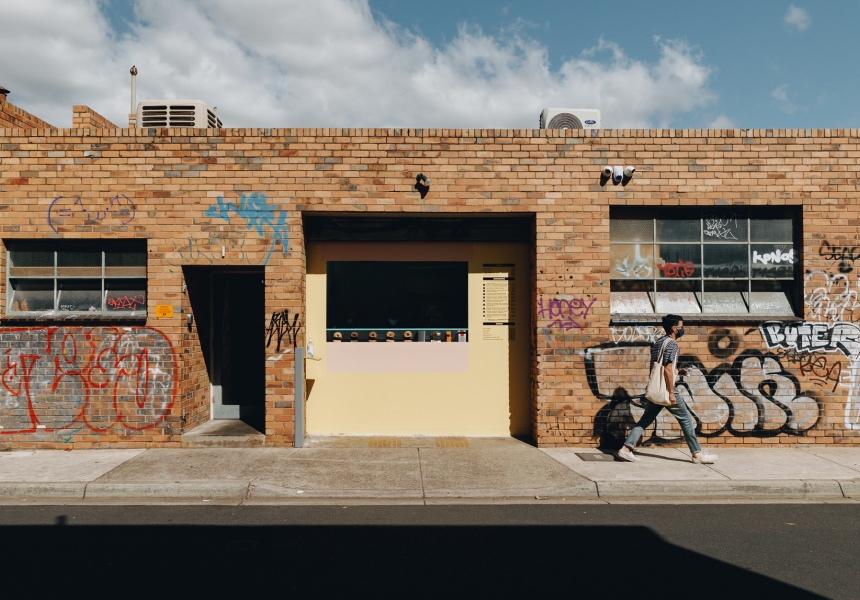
(383, 442)
(595, 456)
(451, 442)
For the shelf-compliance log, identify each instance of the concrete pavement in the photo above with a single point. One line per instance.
(425, 470)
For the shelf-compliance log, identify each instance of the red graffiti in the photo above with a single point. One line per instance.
(815, 367)
(61, 380)
(127, 302)
(682, 268)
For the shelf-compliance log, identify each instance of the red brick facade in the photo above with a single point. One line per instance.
(181, 182)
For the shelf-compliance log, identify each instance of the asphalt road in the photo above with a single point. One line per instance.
(578, 550)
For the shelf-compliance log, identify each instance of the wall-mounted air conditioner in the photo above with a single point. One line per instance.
(570, 118)
(176, 113)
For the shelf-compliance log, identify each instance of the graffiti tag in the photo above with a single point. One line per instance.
(280, 327)
(120, 207)
(565, 313)
(682, 268)
(845, 255)
(70, 379)
(258, 214)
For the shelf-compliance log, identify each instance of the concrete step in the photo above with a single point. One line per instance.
(223, 433)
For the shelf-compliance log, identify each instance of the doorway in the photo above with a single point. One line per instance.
(229, 308)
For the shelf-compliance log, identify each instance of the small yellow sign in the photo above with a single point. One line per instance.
(163, 311)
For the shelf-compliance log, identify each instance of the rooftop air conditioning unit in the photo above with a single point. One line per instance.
(570, 118)
(176, 113)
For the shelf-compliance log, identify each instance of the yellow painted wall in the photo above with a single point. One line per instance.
(490, 399)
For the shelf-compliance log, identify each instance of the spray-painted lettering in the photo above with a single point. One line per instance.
(565, 313)
(809, 337)
(258, 214)
(775, 257)
(61, 380)
(280, 327)
(844, 255)
(831, 297)
(120, 207)
(127, 302)
(682, 268)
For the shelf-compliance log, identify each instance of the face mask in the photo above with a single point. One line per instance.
(680, 332)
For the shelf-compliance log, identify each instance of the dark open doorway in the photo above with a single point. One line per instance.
(229, 309)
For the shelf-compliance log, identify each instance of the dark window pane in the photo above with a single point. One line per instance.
(397, 294)
(126, 260)
(31, 256)
(83, 260)
(771, 230)
(679, 261)
(631, 230)
(725, 297)
(125, 295)
(79, 296)
(726, 260)
(679, 230)
(125, 257)
(631, 261)
(724, 228)
(773, 260)
(32, 295)
(79, 256)
(678, 296)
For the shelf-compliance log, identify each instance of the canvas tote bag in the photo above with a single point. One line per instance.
(656, 391)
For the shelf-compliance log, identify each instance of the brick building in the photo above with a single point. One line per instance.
(160, 278)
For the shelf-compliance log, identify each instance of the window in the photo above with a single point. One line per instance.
(76, 277)
(428, 299)
(704, 261)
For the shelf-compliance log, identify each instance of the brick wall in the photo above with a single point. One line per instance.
(186, 190)
(83, 117)
(12, 117)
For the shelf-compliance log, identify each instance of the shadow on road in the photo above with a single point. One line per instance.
(410, 561)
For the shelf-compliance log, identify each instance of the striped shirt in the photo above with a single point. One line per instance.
(669, 354)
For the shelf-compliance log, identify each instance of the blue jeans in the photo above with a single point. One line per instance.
(681, 413)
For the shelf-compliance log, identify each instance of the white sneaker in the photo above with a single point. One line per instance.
(705, 459)
(627, 454)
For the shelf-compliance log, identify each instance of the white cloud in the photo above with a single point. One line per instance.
(780, 94)
(329, 63)
(797, 17)
(722, 122)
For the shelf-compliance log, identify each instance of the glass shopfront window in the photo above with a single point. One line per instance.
(712, 261)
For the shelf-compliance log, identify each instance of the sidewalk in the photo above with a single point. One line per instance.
(416, 470)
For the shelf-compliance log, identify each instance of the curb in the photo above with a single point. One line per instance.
(788, 489)
(35, 491)
(228, 490)
(588, 491)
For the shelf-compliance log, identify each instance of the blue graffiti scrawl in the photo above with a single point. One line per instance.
(259, 214)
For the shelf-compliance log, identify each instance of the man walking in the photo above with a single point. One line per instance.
(674, 327)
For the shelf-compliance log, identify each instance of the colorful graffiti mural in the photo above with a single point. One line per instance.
(750, 395)
(67, 379)
(258, 214)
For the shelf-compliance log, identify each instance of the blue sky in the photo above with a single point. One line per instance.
(440, 63)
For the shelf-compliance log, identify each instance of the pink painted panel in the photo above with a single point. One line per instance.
(397, 357)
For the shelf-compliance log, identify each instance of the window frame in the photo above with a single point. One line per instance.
(703, 289)
(79, 277)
